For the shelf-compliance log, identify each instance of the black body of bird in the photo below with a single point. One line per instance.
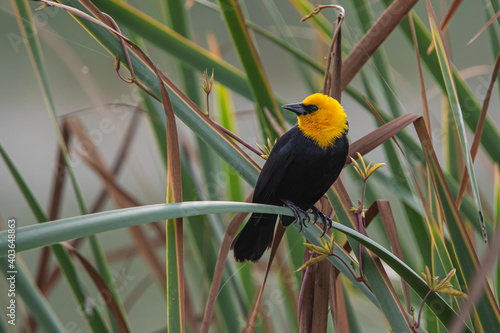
(302, 165)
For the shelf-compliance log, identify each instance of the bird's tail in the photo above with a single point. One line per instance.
(255, 237)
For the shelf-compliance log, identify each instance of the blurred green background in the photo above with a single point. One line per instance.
(26, 132)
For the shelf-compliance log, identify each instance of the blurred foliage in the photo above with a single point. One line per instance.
(413, 220)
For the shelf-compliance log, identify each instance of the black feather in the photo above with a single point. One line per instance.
(297, 170)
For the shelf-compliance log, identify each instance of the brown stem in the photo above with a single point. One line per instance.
(361, 227)
(421, 307)
(334, 38)
(301, 294)
(237, 138)
(208, 105)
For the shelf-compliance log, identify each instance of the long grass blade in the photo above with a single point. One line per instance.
(365, 20)
(252, 64)
(478, 282)
(487, 309)
(92, 315)
(446, 20)
(423, 93)
(175, 248)
(103, 288)
(61, 230)
(18, 275)
(470, 105)
(455, 105)
(96, 161)
(479, 130)
(387, 217)
(37, 59)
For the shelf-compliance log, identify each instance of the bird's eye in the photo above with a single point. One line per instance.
(313, 108)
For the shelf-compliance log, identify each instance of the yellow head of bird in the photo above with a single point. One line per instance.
(321, 118)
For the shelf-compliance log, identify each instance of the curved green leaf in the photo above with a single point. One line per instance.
(61, 230)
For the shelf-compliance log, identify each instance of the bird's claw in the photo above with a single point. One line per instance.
(296, 212)
(327, 222)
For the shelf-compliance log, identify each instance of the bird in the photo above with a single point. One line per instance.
(302, 165)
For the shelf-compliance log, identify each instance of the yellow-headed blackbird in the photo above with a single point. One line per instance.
(302, 165)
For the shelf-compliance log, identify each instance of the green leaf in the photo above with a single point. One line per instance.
(67, 267)
(443, 311)
(365, 17)
(470, 105)
(38, 62)
(253, 67)
(467, 261)
(313, 261)
(33, 299)
(228, 121)
(46, 234)
(451, 90)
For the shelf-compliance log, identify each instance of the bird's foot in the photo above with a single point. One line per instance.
(327, 222)
(296, 212)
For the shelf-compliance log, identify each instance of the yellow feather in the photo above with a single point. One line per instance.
(326, 124)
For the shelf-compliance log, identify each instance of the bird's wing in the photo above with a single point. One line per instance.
(273, 172)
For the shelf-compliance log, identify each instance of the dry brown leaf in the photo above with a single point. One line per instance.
(252, 319)
(122, 199)
(54, 203)
(102, 287)
(337, 303)
(423, 94)
(374, 139)
(385, 212)
(319, 313)
(54, 275)
(335, 85)
(306, 300)
(491, 20)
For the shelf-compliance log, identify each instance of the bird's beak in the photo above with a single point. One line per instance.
(297, 108)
